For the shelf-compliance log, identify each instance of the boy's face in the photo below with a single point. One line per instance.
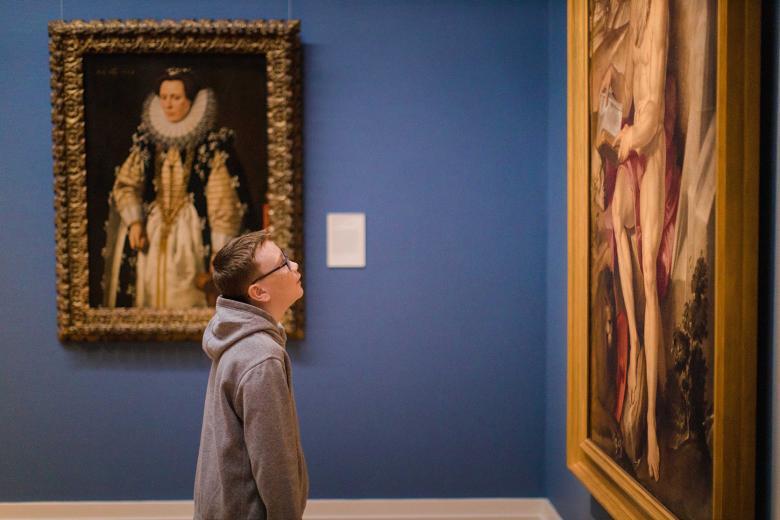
(283, 284)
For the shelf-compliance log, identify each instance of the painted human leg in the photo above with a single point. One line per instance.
(652, 199)
(623, 219)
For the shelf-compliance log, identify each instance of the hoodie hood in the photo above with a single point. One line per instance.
(233, 321)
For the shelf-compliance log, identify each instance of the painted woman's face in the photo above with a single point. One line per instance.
(173, 100)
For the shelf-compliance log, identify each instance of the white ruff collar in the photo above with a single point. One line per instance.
(189, 130)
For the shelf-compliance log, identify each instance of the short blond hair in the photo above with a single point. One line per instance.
(234, 264)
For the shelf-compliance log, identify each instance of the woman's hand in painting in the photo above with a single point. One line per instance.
(137, 235)
(623, 142)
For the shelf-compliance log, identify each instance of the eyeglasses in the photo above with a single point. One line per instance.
(286, 263)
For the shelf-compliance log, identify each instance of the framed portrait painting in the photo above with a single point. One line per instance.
(170, 138)
(663, 245)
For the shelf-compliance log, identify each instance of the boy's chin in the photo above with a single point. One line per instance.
(297, 296)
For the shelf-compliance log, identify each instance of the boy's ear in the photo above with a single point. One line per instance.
(258, 293)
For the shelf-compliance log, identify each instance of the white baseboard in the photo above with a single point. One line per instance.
(379, 509)
(433, 509)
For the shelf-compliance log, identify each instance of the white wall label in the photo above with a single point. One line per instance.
(346, 239)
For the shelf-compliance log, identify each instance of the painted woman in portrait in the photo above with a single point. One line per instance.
(178, 197)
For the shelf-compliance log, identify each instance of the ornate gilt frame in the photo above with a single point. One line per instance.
(279, 41)
(736, 249)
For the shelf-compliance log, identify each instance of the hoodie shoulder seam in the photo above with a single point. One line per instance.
(241, 379)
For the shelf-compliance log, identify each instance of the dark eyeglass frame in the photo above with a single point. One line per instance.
(286, 263)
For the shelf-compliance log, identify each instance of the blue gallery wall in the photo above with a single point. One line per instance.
(421, 375)
(565, 492)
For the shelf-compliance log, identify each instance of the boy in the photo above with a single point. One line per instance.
(250, 463)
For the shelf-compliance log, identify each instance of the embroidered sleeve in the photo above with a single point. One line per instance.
(224, 208)
(128, 188)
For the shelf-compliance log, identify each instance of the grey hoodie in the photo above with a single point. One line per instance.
(250, 463)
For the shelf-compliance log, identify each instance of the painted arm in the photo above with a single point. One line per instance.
(127, 190)
(127, 193)
(648, 120)
(224, 208)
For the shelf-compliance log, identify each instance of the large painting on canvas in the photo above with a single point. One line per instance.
(170, 138)
(660, 216)
(652, 84)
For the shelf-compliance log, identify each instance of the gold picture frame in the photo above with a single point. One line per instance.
(733, 279)
(72, 45)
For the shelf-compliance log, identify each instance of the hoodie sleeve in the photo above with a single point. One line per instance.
(265, 403)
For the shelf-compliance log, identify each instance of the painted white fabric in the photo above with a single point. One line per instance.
(166, 272)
